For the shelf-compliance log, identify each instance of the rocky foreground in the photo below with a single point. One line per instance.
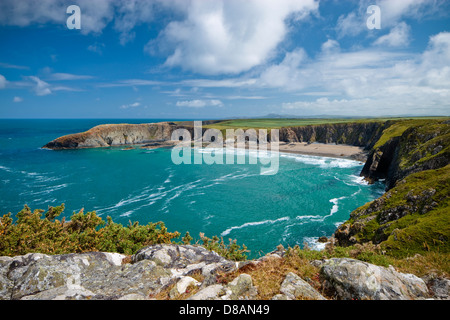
(176, 270)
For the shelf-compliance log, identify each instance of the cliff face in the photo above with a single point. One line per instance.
(412, 217)
(356, 134)
(408, 147)
(108, 135)
(363, 134)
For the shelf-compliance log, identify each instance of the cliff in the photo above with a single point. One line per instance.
(413, 215)
(361, 134)
(407, 147)
(108, 135)
(364, 134)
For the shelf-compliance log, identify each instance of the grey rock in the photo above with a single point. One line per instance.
(98, 275)
(181, 286)
(184, 260)
(440, 288)
(354, 279)
(296, 288)
(212, 292)
(241, 288)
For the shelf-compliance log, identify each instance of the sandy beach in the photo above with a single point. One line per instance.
(324, 150)
(313, 149)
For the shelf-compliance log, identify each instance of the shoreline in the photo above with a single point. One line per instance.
(342, 151)
(324, 150)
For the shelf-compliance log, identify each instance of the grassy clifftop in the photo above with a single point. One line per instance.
(414, 215)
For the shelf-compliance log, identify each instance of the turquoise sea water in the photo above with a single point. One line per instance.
(308, 197)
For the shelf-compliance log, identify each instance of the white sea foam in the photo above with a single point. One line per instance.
(359, 180)
(250, 224)
(5, 168)
(323, 162)
(338, 224)
(335, 207)
(310, 218)
(47, 190)
(313, 243)
(127, 214)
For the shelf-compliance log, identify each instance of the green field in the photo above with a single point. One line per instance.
(279, 123)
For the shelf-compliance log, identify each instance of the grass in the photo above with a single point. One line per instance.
(269, 274)
(280, 123)
(422, 200)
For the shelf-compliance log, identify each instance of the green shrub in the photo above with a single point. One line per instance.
(84, 232)
(33, 232)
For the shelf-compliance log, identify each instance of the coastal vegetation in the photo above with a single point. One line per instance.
(277, 123)
(85, 232)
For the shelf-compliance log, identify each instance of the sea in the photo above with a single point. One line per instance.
(307, 198)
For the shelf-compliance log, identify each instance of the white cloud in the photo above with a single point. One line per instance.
(399, 36)
(131, 105)
(131, 13)
(225, 83)
(95, 15)
(2, 82)
(287, 74)
(41, 88)
(17, 99)
(12, 66)
(392, 13)
(369, 82)
(228, 36)
(200, 103)
(97, 48)
(130, 83)
(350, 25)
(68, 76)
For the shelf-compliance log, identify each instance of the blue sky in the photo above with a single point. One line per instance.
(205, 59)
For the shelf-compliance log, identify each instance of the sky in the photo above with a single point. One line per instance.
(215, 59)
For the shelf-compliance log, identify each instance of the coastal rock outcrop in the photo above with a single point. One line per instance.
(102, 275)
(108, 135)
(351, 279)
(179, 270)
(408, 147)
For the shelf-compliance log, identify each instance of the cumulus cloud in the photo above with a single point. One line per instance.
(399, 36)
(17, 99)
(375, 81)
(228, 36)
(199, 103)
(207, 37)
(286, 74)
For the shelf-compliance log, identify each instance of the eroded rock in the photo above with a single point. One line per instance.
(353, 279)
